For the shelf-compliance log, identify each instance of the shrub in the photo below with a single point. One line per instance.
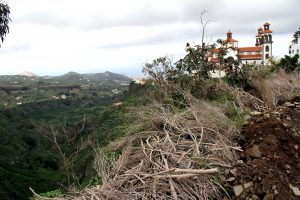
(52, 194)
(239, 77)
(277, 87)
(290, 64)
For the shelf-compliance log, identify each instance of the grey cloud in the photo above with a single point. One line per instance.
(138, 19)
(192, 9)
(241, 21)
(163, 37)
(283, 15)
(16, 48)
(49, 19)
(239, 16)
(159, 39)
(149, 15)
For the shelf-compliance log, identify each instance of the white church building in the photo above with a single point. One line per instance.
(257, 55)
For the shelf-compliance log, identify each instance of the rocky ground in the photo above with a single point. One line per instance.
(269, 166)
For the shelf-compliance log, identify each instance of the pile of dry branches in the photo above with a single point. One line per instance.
(179, 156)
(246, 101)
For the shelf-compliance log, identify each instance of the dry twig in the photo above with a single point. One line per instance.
(175, 159)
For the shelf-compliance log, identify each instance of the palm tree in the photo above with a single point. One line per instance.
(296, 37)
(4, 20)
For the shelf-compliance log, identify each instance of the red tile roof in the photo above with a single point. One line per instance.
(214, 60)
(251, 57)
(230, 40)
(260, 28)
(266, 24)
(216, 50)
(249, 49)
(268, 31)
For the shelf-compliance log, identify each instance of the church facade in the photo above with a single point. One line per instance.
(257, 55)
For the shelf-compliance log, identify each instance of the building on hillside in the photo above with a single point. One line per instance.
(257, 55)
(141, 81)
(295, 46)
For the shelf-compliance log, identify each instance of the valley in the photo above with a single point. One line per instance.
(31, 107)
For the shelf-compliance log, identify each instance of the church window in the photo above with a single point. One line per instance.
(267, 56)
(266, 27)
(267, 48)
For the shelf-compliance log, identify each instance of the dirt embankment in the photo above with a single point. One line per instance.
(269, 167)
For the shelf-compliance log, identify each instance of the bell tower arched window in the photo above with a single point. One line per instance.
(267, 48)
(267, 56)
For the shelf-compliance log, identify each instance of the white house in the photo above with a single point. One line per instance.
(258, 54)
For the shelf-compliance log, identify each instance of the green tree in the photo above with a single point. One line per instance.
(160, 70)
(196, 60)
(4, 20)
(290, 63)
(296, 36)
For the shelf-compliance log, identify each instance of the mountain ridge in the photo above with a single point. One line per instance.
(28, 74)
(72, 73)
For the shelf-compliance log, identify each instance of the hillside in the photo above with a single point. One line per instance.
(71, 77)
(161, 136)
(180, 135)
(74, 77)
(28, 158)
(218, 119)
(16, 89)
(205, 139)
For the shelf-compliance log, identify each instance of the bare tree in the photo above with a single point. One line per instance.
(204, 23)
(196, 61)
(68, 142)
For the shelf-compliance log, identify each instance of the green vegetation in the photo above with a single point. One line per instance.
(52, 194)
(28, 158)
(52, 138)
(24, 159)
(89, 88)
(290, 63)
(53, 128)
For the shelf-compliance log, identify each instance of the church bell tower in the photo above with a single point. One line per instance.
(267, 42)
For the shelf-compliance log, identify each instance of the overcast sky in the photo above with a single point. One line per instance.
(51, 37)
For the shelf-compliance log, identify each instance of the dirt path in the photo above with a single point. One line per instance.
(269, 167)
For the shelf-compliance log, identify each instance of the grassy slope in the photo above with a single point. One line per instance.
(109, 124)
(32, 161)
(24, 161)
(26, 158)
